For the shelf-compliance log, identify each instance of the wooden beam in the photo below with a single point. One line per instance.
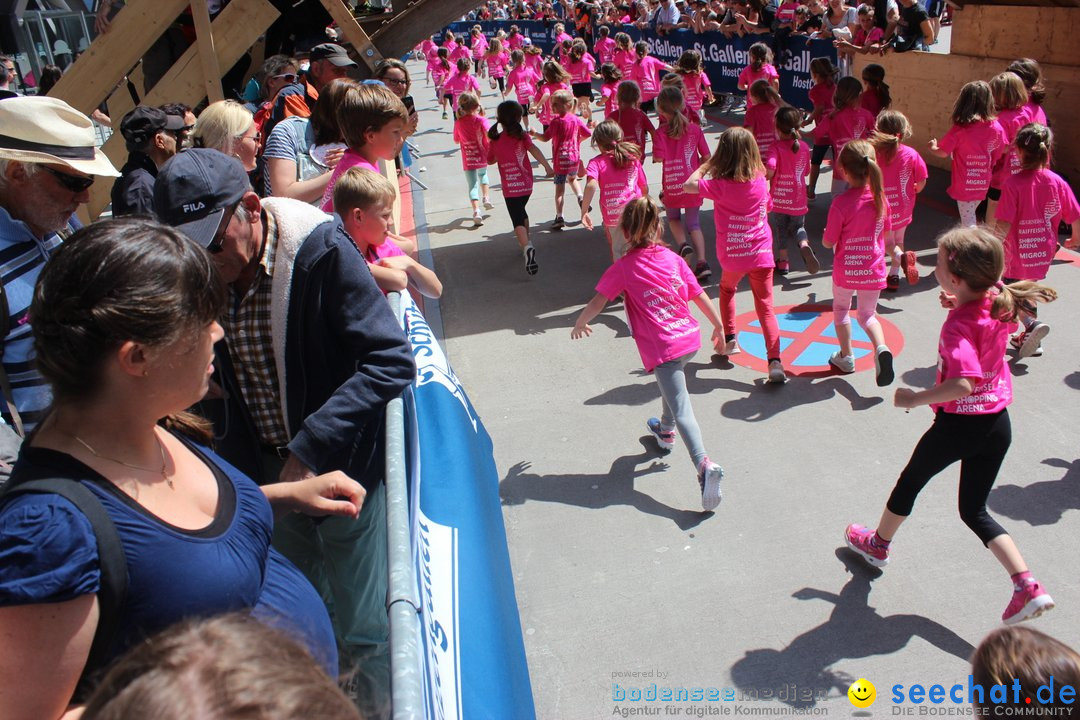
(204, 40)
(353, 32)
(134, 29)
(237, 28)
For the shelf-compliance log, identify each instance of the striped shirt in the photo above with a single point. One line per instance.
(22, 256)
(251, 344)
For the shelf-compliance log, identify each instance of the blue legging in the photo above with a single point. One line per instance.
(476, 178)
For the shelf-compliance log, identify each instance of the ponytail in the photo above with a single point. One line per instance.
(877, 183)
(860, 167)
(1019, 295)
(671, 102)
(788, 120)
(608, 138)
(1033, 143)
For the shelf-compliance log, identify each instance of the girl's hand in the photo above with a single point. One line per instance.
(580, 331)
(718, 341)
(333, 157)
(548, 171)
(904, 398)
(933, 145)
(947, 300)
(586, 221)
(1073, 243)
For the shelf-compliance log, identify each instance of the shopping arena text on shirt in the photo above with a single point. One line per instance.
(993, 700)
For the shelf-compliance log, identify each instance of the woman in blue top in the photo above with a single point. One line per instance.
(124, 321)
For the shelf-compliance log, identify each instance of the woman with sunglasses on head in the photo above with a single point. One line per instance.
(125, 319)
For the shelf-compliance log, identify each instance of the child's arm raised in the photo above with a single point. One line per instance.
(707, 308)
(581, 327)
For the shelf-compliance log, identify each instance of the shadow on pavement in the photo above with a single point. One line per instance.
(854, 630)
(1041, 503)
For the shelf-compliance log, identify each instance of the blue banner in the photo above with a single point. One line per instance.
(724, 57)
(474, 655)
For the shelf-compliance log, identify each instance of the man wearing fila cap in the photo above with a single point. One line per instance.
(48, 161)
(311, 356)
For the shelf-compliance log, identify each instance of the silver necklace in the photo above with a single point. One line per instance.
(161, 447)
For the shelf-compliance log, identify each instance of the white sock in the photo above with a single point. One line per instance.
(881, 348)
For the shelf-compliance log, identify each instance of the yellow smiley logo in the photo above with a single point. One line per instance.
(862, 693)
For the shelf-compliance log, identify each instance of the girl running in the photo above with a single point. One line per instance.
(760, 68)
(875, 96)
(497, 59)
(971, 418)
(1033, 202)
(624, 56)
(681, 146)
(522, 80)
(848, 121)
(904, 176)
(618, 176)
(534, 58)
(555, 79)
(604, 47)
(1010, 98)
(976, 142)
(610, 89)
(470, 132)
(461, 81)
(1031, 74)
(657, 288)
(479, 47)
(635, 124)
(856, 226)
(582, 67)
(736, 184)
(644, 73)
(824, 74)
(760, 118)
(509, 148)
(696, 86)
(566, 133)
(786, 171)
(439, 73)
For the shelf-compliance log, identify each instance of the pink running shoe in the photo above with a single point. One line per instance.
(1030, 601)
(858, 539)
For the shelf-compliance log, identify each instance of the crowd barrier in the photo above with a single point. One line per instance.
(724, 57)
(470, 656)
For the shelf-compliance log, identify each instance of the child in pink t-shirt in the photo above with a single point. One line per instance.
(461, 81)
(610, 89)
(497, 59)
(1031, 74)
(624, 56)
(645, 73)
(582, 68)
(976, 142)
(681, 146)
(1033, 202)
(760, 118)
(534, 58)
(509, 147)
(470, 133)
(604, 47)
(821, 95)
(971, 420)
(760, 68)
(566, 133)
(875, 96)
(657, 289)
(848, 121)
(514, 39)
(1010, 95)
(522, 80)
(740, 193)
(904, 176)
(696, 86)
(555, 79)
(635, 124)
(479, 46)
(855, 227)
(786, 171)
(440, 72)
(617, 175)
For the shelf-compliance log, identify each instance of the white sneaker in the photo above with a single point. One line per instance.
(843, 363)
(488, 204)
(709, 476)
(477, 219)
(776, 372)
(531, 266)
(731, 347)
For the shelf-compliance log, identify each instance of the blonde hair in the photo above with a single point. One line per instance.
(554, 72)
(1008, 91)
(467, 103)
(221, 125)
(860, 166)
(736, 156)
(891, 129)
(976, 256)
(608, 138)
(561, 101)
(640, 222)
(360, 188)
(670, 101)
(366, 108)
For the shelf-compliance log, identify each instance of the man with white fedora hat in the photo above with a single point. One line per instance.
(48, 161)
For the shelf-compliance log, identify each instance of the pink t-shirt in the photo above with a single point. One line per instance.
(497, 64)
(470, 132)
(900, 176)
(858, 239)
(536, 64)
(1033, 202)
(459, 83)
(1035, 112)
(479, 46)
(458, 52)
(843, 126)
(694, 85)
(439, 73)
(681, 157)
(972, 346)
(821, 97)
(567, 132)
(975, 149)
(512, 156)
(625, 60)
(1009, 163)
(870, 100)
(523, 80)
(388, 249)
(515, 42)
(581, 71)
(740, 213)
(749, 76)
(348, 159)
(863, 38)
(609, 92)
(544, 113)
(635, 125)
(618, 186)
(561, 37)
(788, 183)
(644, 73)
(657, 286)
(605, 50)
(760, 119)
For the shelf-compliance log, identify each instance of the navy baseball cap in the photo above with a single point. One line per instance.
(141, 124)
(195, 188)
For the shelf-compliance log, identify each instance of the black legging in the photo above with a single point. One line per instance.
(979, 442)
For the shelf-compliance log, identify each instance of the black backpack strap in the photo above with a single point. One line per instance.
(5, 385)
(111, 558)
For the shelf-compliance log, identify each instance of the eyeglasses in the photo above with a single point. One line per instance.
(395, 81)
(256, 137)
(287, 77)
(218, 243)
(181, 133)
(74, 183)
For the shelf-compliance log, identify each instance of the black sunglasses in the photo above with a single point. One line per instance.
(218, 243)
(74, 183)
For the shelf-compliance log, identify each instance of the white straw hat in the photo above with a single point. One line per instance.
(48, 130)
